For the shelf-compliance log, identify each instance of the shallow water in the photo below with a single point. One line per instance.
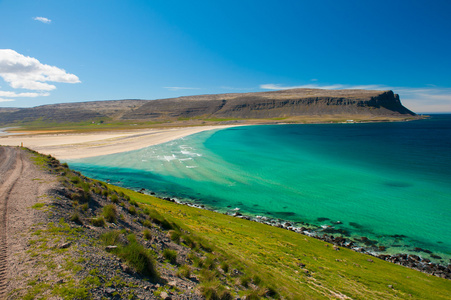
(389, 182)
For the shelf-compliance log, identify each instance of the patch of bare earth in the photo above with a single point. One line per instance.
(22, 185)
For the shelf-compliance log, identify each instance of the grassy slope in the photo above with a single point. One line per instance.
(275, 255)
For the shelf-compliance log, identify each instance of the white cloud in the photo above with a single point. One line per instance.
(177, 88)
(5, 100)
(424, 99)
(13, 94)
(43, 20)
(28, 73)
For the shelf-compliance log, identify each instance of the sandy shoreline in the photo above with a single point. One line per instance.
(81, 145)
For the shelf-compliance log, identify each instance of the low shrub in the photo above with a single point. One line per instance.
(80, 195)
(75, 217)
(114, 198)
(132, 210)
(109, 212)
(147, 223)
(170, 255)
(98, 221)
(147, 234)
(75, 179)
(111, 237)
(212, 290)
(184, 271)
(138, 257)
(174, 235)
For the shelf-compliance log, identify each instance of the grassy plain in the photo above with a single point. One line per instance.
(299, 267)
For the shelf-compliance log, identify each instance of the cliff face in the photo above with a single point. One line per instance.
(263, 105)
(297, 102)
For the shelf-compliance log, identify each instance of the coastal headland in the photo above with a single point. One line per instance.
(84, 129)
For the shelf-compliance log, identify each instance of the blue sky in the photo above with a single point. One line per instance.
(71, 51)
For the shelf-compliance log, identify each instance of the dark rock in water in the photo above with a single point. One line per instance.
(398, 236)
(355, 225)
(435, 256)
(322, 219)
(285, 214)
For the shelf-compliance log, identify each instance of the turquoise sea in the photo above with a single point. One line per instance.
(389, 182)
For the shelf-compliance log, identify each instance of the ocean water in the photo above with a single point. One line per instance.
(389, 182)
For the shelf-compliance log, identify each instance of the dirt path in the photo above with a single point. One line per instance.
(17, 174)
(11, 167)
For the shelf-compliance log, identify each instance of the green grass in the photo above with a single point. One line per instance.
(170, 255)
(38, 205)
(135, 254)
(274, 255)
(109, 213)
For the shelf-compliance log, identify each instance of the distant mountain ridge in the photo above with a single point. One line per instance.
(259, 105)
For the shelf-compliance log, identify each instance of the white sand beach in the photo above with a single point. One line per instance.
(81, 145)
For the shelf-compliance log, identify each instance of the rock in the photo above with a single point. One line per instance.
(110, 248)
(370, 260)
(165, 296)
(65, 245)
(172, 283)
(336, 248)
(390, 286)
(110, 290)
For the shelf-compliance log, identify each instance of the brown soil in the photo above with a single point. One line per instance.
(22, 184)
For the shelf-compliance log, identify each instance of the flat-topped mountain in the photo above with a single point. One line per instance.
(260, 105)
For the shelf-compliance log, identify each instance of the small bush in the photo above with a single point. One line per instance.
(170, 255)
(75, 217)
(209, 262)
(147, 234)
(105, 193)
(98, 221)
(84, 207)
(189, 241)
(109, 212)
(80, 196)
(138, 257)
(111, 237)
(75, 179)
(174, 235)
(132, 210)
(212, 290)
(147, 224)
(65, 165)
(133, 202)
(184, 271)
(114, 198)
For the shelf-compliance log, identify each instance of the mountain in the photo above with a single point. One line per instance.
(260, 105)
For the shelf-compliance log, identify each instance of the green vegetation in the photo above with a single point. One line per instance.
(135, 254)
(278, 261)
(109, 213)
(170, 255)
